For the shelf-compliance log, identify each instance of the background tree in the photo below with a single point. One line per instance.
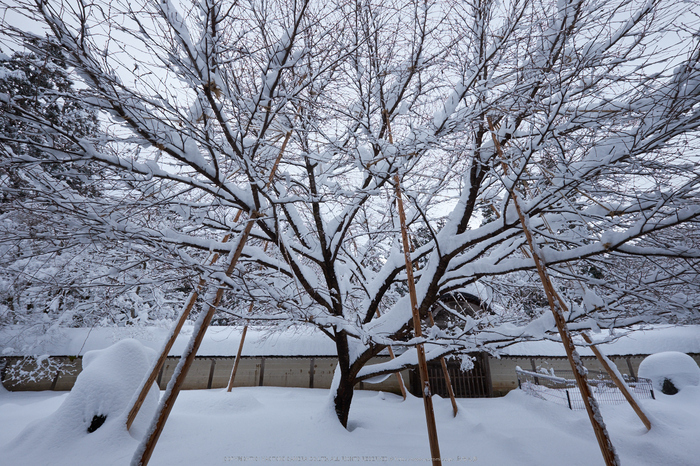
(39, 84)
(53, 273)
(300, 113)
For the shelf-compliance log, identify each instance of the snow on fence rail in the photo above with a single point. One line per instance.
(564, 391)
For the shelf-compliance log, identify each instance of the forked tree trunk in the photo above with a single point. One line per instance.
(346, 385)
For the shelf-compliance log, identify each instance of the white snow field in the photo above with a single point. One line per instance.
(268, 425)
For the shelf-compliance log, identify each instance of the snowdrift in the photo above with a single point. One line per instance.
(92, 418)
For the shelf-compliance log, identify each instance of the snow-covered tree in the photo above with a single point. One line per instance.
(40, 85)
(300, 114)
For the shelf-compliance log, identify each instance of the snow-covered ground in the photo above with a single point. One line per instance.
(298, 426)
(267, 425)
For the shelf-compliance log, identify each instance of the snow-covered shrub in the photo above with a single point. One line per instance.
(670, 371)
(35, 368)
(98, 403)
(109, 379)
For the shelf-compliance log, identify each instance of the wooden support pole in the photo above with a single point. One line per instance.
(234, 370)
(422, 364)
(592, 408)
(146, 387)
(232, 377)
(175, 331)
(183, 367)
(402, 386)
(446, 374)
(605, 362)
(620, 384)
(279, 158)
(399, 379)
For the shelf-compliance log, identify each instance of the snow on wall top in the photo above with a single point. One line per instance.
(218, 341)
(297, 341)
(685, 339)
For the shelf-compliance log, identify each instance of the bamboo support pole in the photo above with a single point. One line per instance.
(399, 379)
(602, 359)
(404, 230)
(592, 408)
(158, 365)
(446, 374)
(175, 384)
(232, 377)
(605, 362)
(391, 350)
(155, 370)
(620, 384)
(402, 386)
(239, 352)
(422, 364)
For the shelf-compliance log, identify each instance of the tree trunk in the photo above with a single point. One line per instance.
(346, 385)
(343, 398)
(349, 368)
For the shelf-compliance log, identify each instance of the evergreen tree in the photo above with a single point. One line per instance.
(34, 86)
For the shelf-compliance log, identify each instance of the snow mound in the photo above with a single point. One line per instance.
(95, 410)
(670, 371)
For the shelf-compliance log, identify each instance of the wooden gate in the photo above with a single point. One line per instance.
(475, 383)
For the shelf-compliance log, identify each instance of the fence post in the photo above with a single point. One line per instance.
(312, 370)
(629, 366)
(568, 398)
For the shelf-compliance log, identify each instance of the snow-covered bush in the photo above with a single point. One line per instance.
(670, 371)
(101, 395)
